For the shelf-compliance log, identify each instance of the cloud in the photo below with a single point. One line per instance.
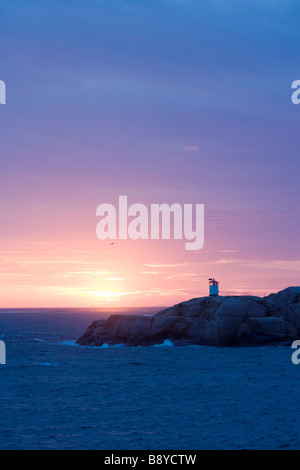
(191, 148)
(227, 261)
(27, 261)
(16, 274)
(110, 295)
(182, 276)
(164, 292)
(103, 273)
(275, 264)
(163, 265)
(152, 272)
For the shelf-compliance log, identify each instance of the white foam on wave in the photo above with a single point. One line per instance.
(167, 343)
(69, 343)
(104, 346)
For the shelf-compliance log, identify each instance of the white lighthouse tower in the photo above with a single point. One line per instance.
(213, 287)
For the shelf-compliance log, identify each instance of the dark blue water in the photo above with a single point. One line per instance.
(55, 395)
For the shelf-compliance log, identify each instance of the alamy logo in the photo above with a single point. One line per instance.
(295, 356)
(164, 219)
(296, 94)
(2, 353)
(2, 92)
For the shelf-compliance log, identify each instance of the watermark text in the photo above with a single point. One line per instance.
(2, 92)
(2, 352)
(296, 94)
(295, 356)
(161, 221)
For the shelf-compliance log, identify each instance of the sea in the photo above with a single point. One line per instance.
(58, 395)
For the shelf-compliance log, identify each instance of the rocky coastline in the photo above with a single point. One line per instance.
(217, 321)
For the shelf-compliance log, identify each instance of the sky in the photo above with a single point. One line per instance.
(165, 101)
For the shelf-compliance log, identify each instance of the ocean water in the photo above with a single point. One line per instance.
(56, 395)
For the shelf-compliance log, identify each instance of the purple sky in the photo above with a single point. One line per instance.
(161, 100)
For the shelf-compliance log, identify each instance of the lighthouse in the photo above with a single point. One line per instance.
(213, 287)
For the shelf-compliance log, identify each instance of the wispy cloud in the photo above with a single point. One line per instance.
(191, 148)
(152, 272)
(27, 261)
(164, 292)
(227, 261)
(163, 265)
(93, 273)
(182, 276)
(275, 264)
(4, 274)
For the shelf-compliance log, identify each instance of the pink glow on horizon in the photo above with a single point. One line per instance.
(132, 274)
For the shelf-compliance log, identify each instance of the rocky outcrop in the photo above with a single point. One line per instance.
(218, 321)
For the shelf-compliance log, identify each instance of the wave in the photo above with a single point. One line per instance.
(167, 343)
(71, 342)
(104, 346)
(45, 364)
